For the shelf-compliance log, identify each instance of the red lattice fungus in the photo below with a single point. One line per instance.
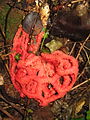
(45, 77)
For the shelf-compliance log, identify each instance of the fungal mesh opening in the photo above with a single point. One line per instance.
(43, 95)
(56, 93)
(49, 86)
(37, 73)
(61, 80)
(71, 78)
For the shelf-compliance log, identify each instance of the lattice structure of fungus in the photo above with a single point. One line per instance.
(46, 77)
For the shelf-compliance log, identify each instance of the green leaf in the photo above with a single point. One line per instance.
(17, 56)
(45, 50)
(30, 111)
(46, 35)
(44, 29)
(88, 112)
(88, 115)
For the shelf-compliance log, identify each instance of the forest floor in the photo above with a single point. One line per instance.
(73, 106)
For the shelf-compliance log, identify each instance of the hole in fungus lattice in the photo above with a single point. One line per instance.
(61, 80)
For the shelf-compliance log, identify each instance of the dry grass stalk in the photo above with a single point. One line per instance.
(82, 46)
(80, 84)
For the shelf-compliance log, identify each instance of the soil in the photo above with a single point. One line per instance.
(74, 104)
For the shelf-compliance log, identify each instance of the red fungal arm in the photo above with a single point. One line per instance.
(35, 43)
(45, 78)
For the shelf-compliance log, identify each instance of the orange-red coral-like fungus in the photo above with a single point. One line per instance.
(45, 77)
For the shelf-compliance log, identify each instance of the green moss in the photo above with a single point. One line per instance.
(3, 12)
(14, 19)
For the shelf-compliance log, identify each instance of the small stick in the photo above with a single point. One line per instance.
(2, 33)
(82, 71)
(72, 48)
(85, 64)
(82, 46)
(9, 4)
(86, 55)
(6, 46)
(75, 1)
(6, 54)
(81, 74)
(6, 66)
(8, 114)
(80, 84)
(18, 108)
(87, 48)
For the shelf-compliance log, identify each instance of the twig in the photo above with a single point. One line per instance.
(86, 54)
(2, 33)
(8, 114)
(66, 42)
(18, 8)
(82, 71)
(85, 51)
(87, 48)
(72, 48)
(6, 46)
(85, 64)
(6, 54)
(75, 1)
(3, 51)
(80, 84)
(12, 104)
(82, 46)
(81, 74)
(4, 65)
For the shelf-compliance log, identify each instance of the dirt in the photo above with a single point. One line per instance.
(73, 105)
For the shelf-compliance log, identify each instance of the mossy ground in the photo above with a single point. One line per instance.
(13, 20)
